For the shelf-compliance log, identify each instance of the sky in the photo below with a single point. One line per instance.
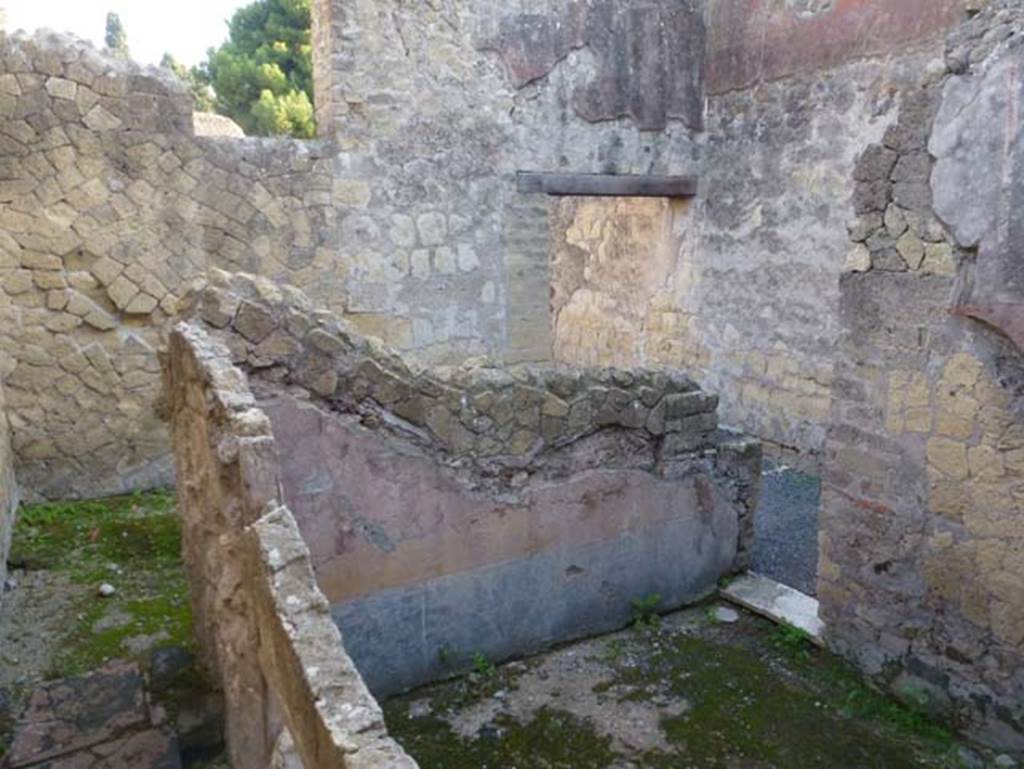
(185, 28)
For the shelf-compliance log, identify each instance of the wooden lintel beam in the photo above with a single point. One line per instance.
(607, 185)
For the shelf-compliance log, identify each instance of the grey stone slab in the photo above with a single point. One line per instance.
(777, 602)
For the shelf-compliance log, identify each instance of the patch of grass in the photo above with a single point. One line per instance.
(744, 709)
(645, 611)
(553, 739)
(848, 692)
(790, 640)
(132, 542)
(77, 537)
(757, 696)
(445, 655)
(482, 666)
(164, 613)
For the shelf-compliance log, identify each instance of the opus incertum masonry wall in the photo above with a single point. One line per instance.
(845, 281)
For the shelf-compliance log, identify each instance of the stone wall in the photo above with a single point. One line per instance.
(436, 106)
(109, 207)
(8, 489)
(264, 627)
(749, 300)
(443, 506)
(922, 545)
(618, 270)
(798, 90)
(405, 219)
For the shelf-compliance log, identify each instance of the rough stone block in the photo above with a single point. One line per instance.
(78, 713)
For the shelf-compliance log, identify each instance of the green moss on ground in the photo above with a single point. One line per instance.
(742, 708)
(132, 542)
(553, 739)
(758, 697)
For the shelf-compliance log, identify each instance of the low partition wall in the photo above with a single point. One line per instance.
(457, 512)
(263, 624)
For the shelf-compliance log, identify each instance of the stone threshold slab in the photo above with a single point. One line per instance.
(777, 602)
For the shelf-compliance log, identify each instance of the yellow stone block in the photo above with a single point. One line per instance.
(992, 514)
(1008, 622)
(1013, 461)
(994, 421)
(1006, 587)
(962, 370)
(991, 555)
(950, 425)
(1012, 439)
(985, 462)
(992, 394)
(948, 457)
(975, 604)
(918, 420)
(949, 499)
(1013, 556)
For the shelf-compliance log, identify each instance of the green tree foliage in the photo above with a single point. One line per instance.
(116, 37)
(263, 75)
(197, 82)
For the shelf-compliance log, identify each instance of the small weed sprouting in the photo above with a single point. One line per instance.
(645, 611)
(615, 650)
(445, 655)
(482, 666)
(791, 640)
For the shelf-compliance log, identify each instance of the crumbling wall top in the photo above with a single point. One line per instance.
(492, 419)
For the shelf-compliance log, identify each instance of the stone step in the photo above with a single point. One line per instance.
(779, 603)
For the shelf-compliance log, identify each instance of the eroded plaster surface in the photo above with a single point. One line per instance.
(978, 186)
(443, 506)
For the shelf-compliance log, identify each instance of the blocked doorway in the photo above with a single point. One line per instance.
(624, 283)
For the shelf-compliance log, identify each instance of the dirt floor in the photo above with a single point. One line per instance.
(99, 586)
(99, 582)
(707, 687)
